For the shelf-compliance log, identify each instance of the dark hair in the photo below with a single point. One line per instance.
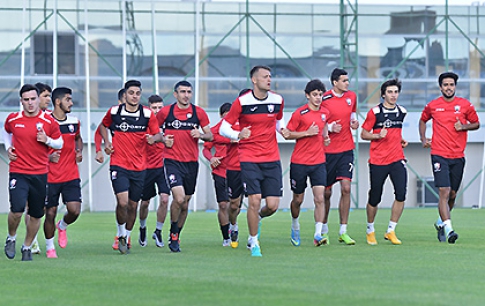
(392, 82)
(133, 83)
(28, 87)
(154, 99)
(336, 73)
(242, 92)
(445, 75)
(224, 108)
(42, 87)
(182, 83)
(256, 69)
(314, 84)
(60, 92)
(121, 92)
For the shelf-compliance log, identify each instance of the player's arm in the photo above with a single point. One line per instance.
(7, 141)
(368, 135)
(97, 140)
(207, 135)
(280, 125)
(422, 134)
(56, 142)
(79, 148)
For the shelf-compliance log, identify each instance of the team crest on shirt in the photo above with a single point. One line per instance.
(71, 128)
(349, 102)
(270, 108)
(13, 184)
(39, 126)
(172, 179)
(437, 167)
(189, 115)
(114, 175)
(324, 117)
(457, 109)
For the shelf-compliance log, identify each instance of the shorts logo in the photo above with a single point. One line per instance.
(271, 108)
(13, 184)
(114, 175)
(437, 167)
(229, 191)
(293, 184)
(172, 179)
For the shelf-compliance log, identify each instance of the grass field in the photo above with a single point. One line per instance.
(421, 271)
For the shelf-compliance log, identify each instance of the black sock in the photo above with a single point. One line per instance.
(174, 229)
(225, 231)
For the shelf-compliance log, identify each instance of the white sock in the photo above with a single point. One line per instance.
(128, 234)
(62, 224)
(49, 244)
(143, 223)
(24, 247)
(370, 228)
(122, 230)
(343, 229)
(253, 240)
(439, 221)
(12, 237)
(448, 227)
(324, 228)
(391, 227)
(318, 228)
(159, 225)
(295, 224)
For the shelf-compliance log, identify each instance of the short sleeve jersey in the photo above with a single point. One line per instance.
(340, 109)
(386, 150)
(308, 150)
(261, 117)
(232, 159)
(446, 141)
(129, 135)
(155, 155)
(32, 156)
(179, 122)
(66, 169)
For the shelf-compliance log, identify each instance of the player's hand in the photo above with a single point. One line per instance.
(41, 136)
(312, 130)
(11, 154)
(326, 141)
(54, 157)
(195, 133)
(245, 133)
(108, 148)
(336, 126)
(215, 161)
(285, 133)
(79, 156)
(150, 139)
(354, 124)
(426, 142)
(99, 157)
(383, 133)
(168, 140)
(404, 143)
(458, 125)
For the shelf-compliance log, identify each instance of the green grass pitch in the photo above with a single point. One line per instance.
(421, 271)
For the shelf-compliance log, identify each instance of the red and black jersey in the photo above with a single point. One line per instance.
(66, 169)
(308, 150)
(179, 122)
(446, 141)
(155, 155)
(232, 149)
(261, 117)
(389, 149)
(32, 156)
(340, 109)
(220, 144)
(129, 135)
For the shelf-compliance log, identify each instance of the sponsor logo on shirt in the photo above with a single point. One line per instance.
(124, 126)
(19, 125)
(177, 124)
(440, 109)
(253, 108)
